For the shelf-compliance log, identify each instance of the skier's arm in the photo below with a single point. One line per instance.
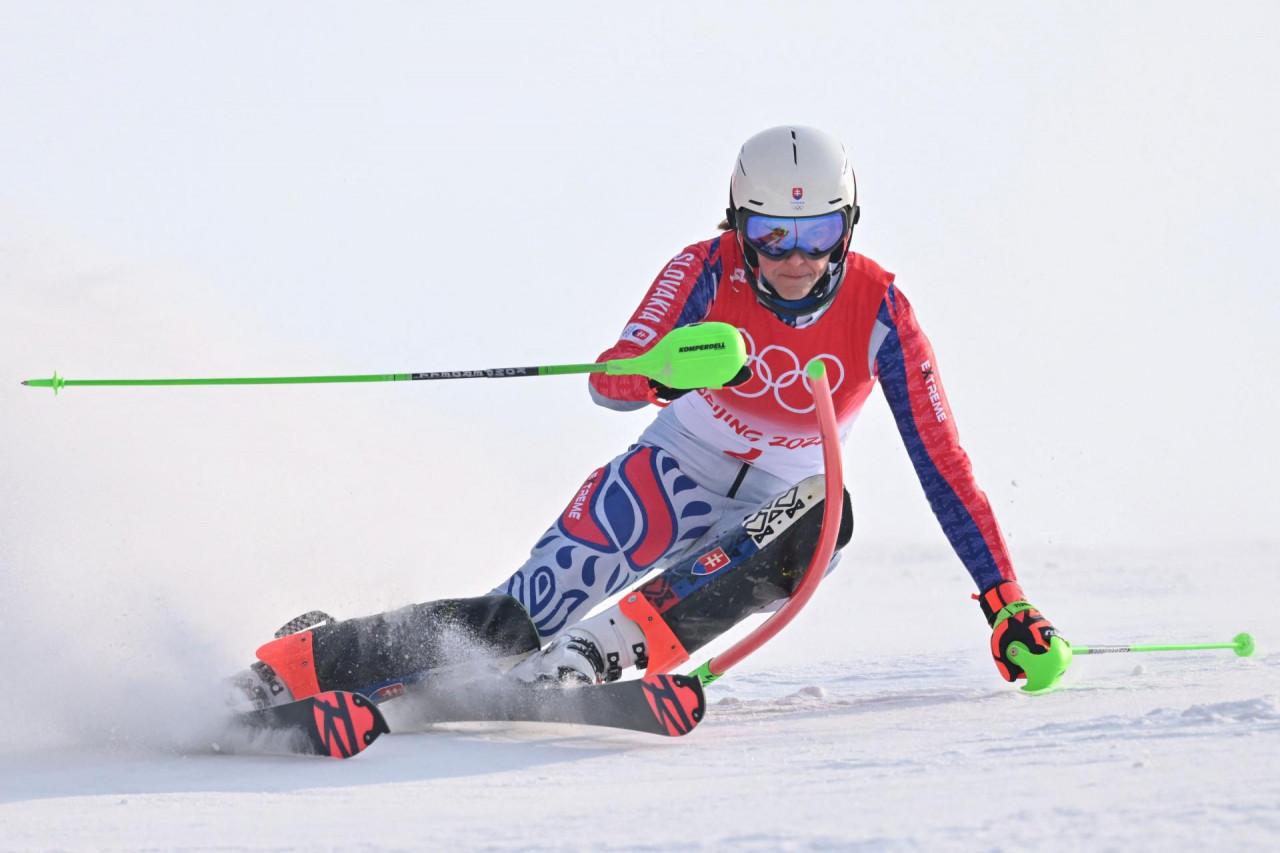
(908, 373)
(681, 294)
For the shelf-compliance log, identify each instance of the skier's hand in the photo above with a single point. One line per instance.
(662, 395)
(1024, 644)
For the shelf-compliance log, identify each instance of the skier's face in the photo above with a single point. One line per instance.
(793, 276)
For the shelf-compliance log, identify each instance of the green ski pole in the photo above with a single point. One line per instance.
(1043, 670)
(1241, 644)
(701, 355)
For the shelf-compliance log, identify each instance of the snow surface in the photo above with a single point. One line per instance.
(907, 742)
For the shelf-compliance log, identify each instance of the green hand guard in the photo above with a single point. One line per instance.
(1043, 670)
(1023, 642)
(701, 355)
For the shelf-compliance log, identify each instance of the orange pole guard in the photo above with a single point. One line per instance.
(833, 508)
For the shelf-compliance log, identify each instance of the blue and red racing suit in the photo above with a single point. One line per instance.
(713, 456)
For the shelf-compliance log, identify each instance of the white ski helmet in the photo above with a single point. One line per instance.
(793, 171)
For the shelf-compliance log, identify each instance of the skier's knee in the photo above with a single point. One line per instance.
(747, 569)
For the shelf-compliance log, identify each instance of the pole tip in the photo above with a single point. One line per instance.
(55, 383)
(816, 369)
(1244, 644)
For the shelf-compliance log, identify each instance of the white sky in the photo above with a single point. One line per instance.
(1079, 198)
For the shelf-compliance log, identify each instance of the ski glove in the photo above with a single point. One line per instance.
(661, 394)
(1024, 644)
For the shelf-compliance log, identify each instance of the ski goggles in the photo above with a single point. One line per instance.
(778, 236)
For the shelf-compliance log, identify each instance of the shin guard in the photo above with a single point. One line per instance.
(376, 655)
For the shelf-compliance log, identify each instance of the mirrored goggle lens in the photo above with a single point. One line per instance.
(777, 236)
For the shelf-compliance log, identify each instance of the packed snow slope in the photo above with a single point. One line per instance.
(893, 733)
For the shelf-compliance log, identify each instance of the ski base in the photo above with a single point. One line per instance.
(335, 723)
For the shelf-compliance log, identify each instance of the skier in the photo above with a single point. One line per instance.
(716, 467)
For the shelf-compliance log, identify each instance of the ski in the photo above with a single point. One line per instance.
(334, 723)
(339, 724)
(668, 705)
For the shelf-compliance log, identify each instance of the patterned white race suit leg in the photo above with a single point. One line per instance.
(635, 514)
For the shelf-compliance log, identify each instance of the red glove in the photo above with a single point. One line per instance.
(1013, 619)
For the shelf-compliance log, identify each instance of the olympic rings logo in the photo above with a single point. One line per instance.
(776, 368)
